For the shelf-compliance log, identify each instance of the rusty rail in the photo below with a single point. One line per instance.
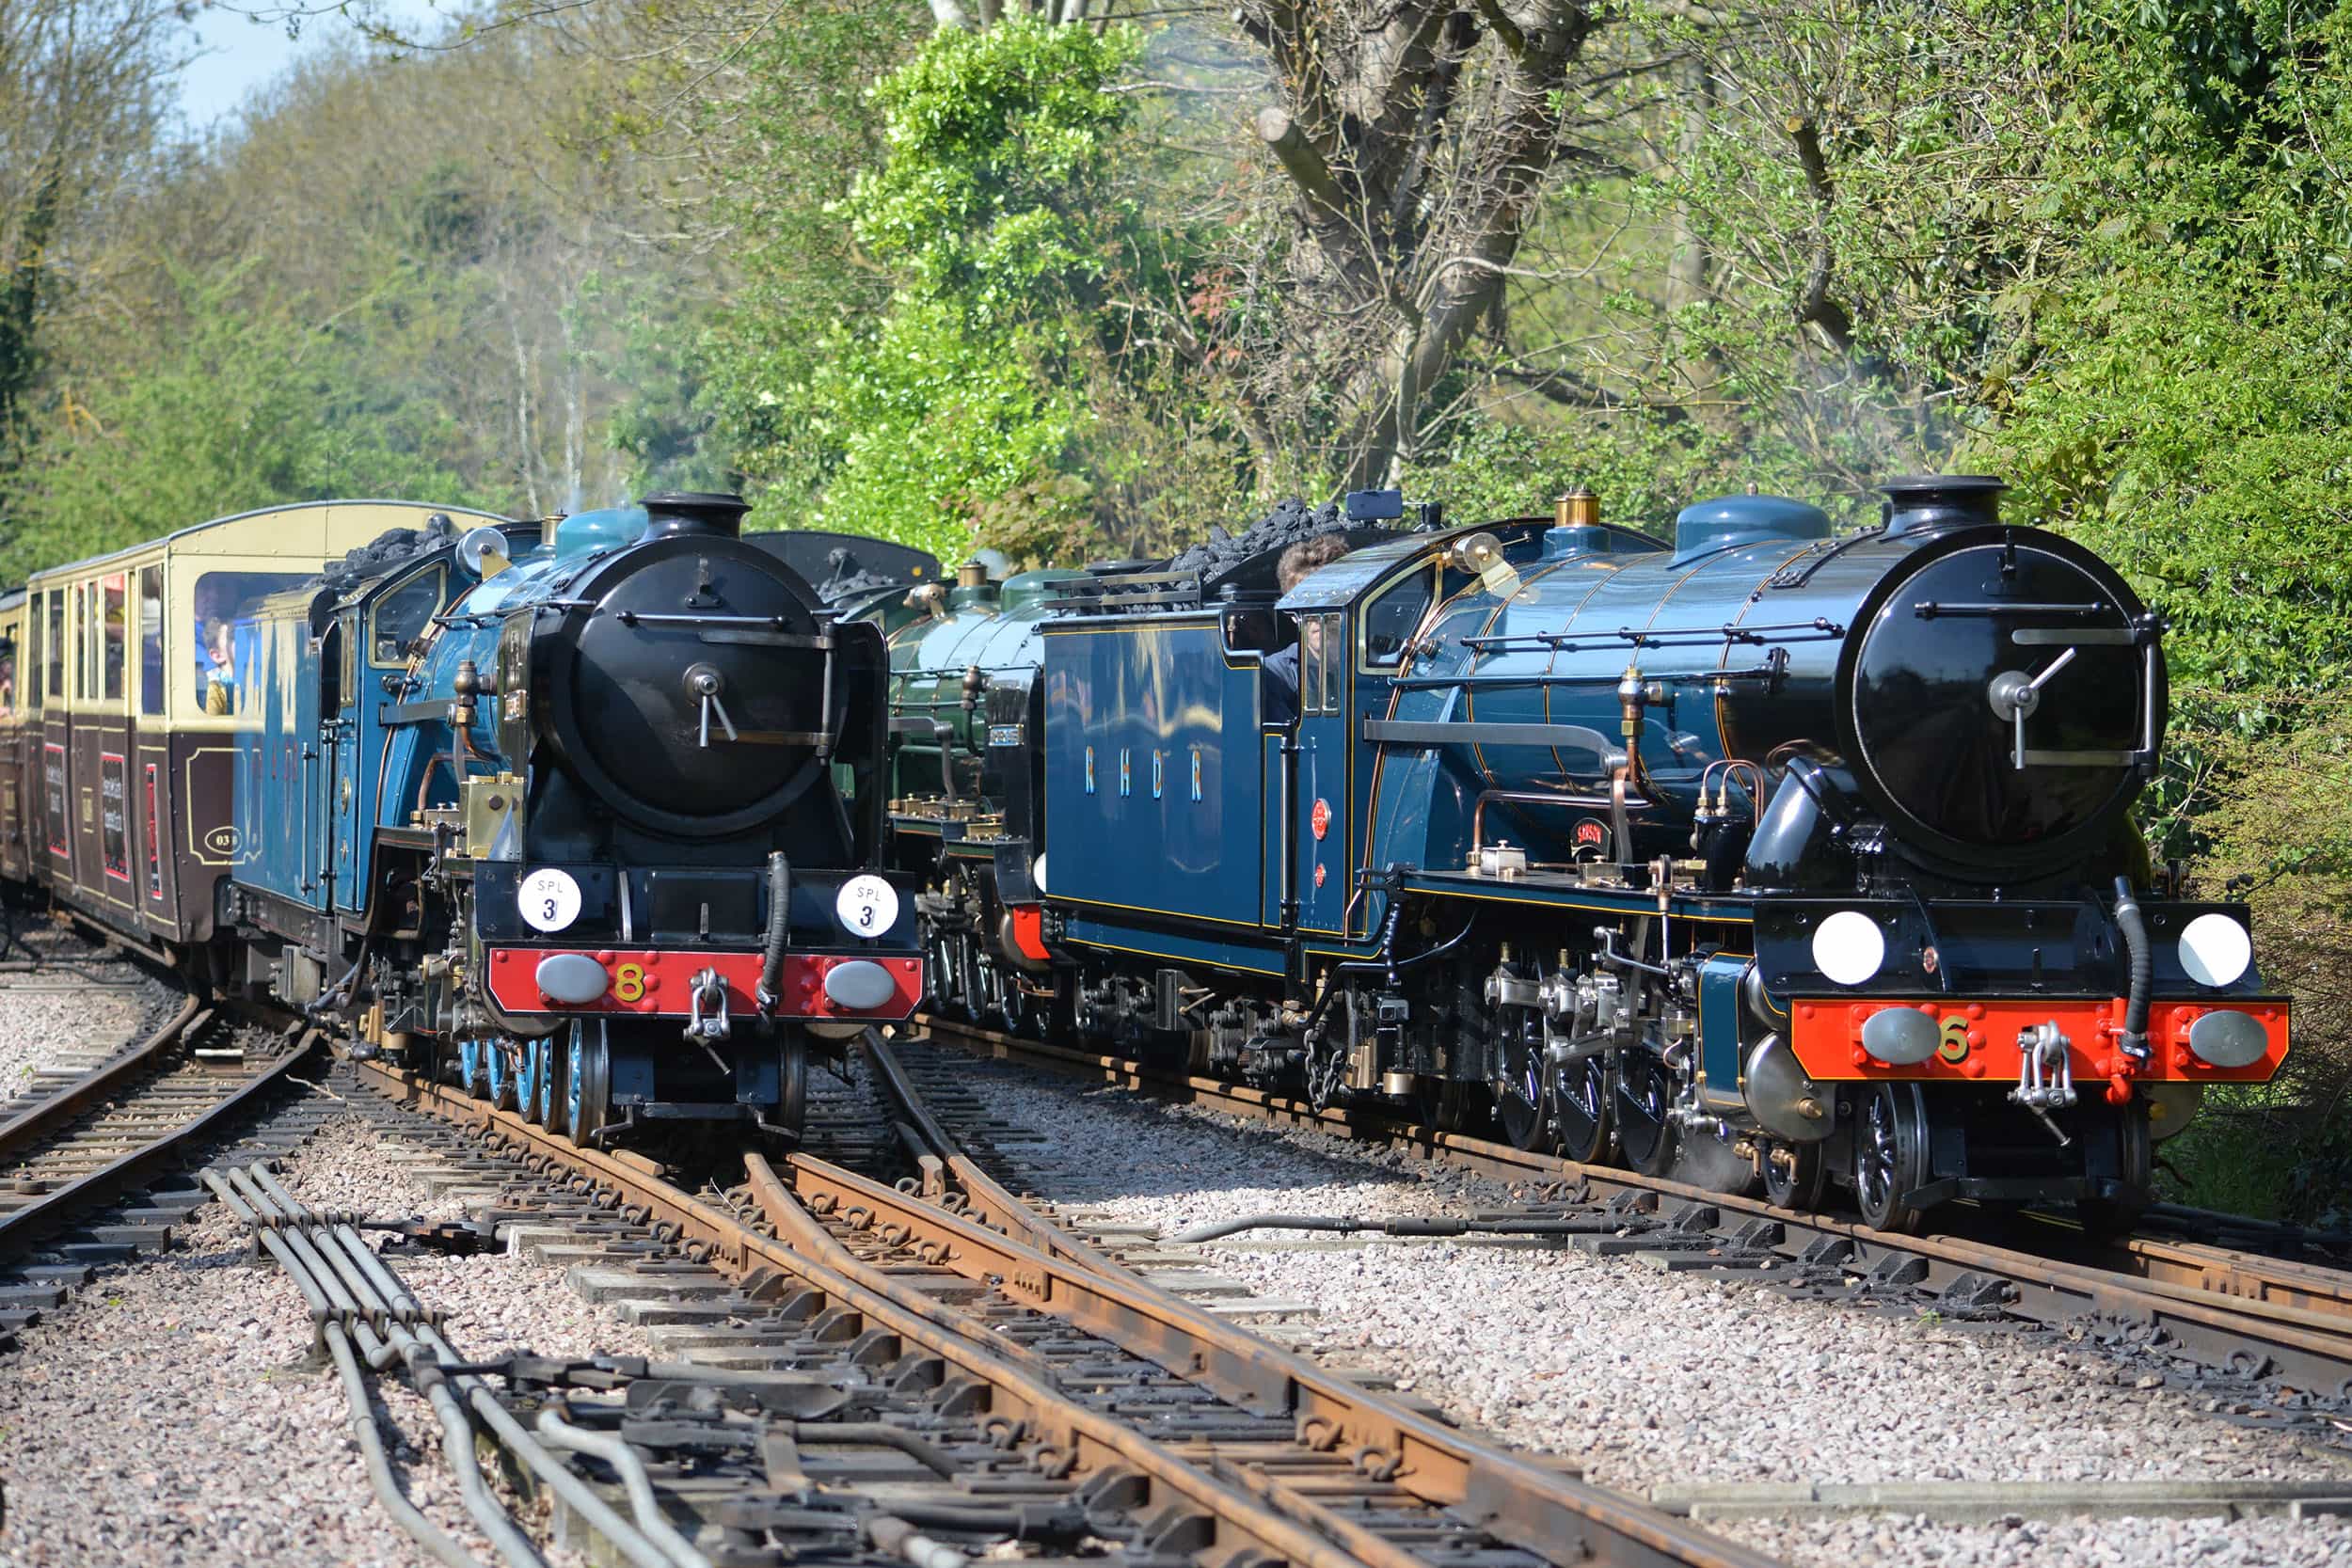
(943, 1156)
(1253, 1508)
(26, 1227)
(100, 1083)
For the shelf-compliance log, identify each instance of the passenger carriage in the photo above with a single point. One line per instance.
(138, 677)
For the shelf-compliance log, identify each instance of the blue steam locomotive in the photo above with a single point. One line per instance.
(587, 819)
(1753, 854)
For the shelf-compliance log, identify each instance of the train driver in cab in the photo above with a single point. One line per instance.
(1280, 670)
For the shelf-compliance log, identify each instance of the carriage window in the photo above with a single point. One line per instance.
(151, 639)
(32, 651)
(401, 616)
(85, 638)
(7, 677)
(114, 594)
(55, 645)
(86, 651)
(1390, 620)
(226, 603)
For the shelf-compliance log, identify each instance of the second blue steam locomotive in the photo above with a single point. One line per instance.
(601, 807)
(1751, 854)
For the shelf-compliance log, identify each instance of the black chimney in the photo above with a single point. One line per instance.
(1918, 501)
(694, 511)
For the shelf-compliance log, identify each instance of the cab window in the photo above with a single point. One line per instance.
(1391, 620)
(1322, 665)
(401, 618)
(85, 641)
(1310, 664)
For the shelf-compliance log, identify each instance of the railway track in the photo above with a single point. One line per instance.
(1030, 1368)
(90, 1165)
(2274, 1333)
(79, 1146)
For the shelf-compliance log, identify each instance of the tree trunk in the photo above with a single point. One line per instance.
(1416, 140)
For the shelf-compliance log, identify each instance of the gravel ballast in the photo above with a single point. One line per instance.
(1647, 1378)
(170, 1414)
(41, 1029)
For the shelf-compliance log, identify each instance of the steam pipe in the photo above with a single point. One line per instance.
(1633, 695)
(779, 930)
(2134, 930)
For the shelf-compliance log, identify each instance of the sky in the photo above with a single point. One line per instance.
(235, 56)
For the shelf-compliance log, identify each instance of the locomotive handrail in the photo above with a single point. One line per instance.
(1772, 669)
(1474, 732)
(1928, 609)
(773, 626)
(1801, 570)
(2080, 637)
(413, 713)
(1820, 629)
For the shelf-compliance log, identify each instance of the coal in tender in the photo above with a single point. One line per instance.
(389, 549)
(1291, 521)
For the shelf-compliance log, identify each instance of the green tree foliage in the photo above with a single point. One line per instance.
(785, 148)
(426, 276)
(80, 89)
(989, 215)
(238, 412)
(2280, 834)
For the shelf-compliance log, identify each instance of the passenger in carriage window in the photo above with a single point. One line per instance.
(220, 674)
(224, 602)
(208, 599)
